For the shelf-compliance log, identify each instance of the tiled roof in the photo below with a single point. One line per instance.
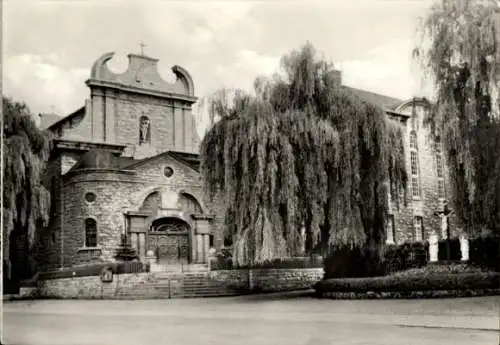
(66, 118)
(97, 159)
(190, 159)
(124, 162)
(46, 120)
(385, 102)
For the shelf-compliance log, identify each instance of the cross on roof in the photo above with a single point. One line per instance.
(142, 47)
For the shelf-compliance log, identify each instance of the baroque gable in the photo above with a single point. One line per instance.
(168, 168)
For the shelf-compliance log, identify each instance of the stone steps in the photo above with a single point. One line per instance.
(174, 285)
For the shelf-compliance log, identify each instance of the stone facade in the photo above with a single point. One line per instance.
(414, 219)
(134, 137)
(127, 162)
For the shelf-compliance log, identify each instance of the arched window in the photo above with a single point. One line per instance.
(440, 170)
(144, 130)
(414, 165)
(90, 232)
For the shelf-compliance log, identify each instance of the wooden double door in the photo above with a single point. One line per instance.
(169, 240)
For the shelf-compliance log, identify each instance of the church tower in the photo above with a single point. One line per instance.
(137, 109)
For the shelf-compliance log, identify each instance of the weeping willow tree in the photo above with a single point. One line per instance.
(458, 51)
(26, 202)
(301, 152)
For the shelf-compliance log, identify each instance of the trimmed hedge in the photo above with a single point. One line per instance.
(355, 263)
(455, 252)
(96, 269)
(405, 256)
(225, 263)
(485, 252)
(464, 281)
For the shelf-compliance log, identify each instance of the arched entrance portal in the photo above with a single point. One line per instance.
(168, 238)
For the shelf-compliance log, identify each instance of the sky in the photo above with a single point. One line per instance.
(50, 45)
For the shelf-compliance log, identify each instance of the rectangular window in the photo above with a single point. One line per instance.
(418, 228)
(439, 166)
(391, 231)
(441, 189)
(438, 147)
(413, 140)
(415, 188)
(228, 241)
(414, 163)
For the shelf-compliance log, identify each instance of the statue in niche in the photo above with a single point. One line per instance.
(144, 130)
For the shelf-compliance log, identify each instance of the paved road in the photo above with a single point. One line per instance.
(253, 320)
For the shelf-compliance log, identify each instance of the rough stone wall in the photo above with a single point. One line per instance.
(48, 248)
(271, 280)
(113, 198)
(48, 252)
(236, 279)
(90, 287)
(218, 227)
(172, 123)
(429, 201)
(78, 127)
(145, 285)
(116, 193)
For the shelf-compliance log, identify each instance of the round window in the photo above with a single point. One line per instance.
(168, 171)
(90, 197)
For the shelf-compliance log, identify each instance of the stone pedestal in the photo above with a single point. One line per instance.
(433, 247)
(137, 232)
(203, 230)
(464, 247)
(151, 259)
(302, 240)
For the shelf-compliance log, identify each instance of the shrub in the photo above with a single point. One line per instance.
(405, 256)
(455, 252)
(354, 263)
(464, 281)
(290, 263)
(222, 262)
(125, 252)
(96, 269)
(485, 252)
(131, 267)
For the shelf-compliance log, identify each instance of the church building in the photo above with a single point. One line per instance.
(126, 163)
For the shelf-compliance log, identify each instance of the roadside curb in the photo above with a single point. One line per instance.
(408, 294)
